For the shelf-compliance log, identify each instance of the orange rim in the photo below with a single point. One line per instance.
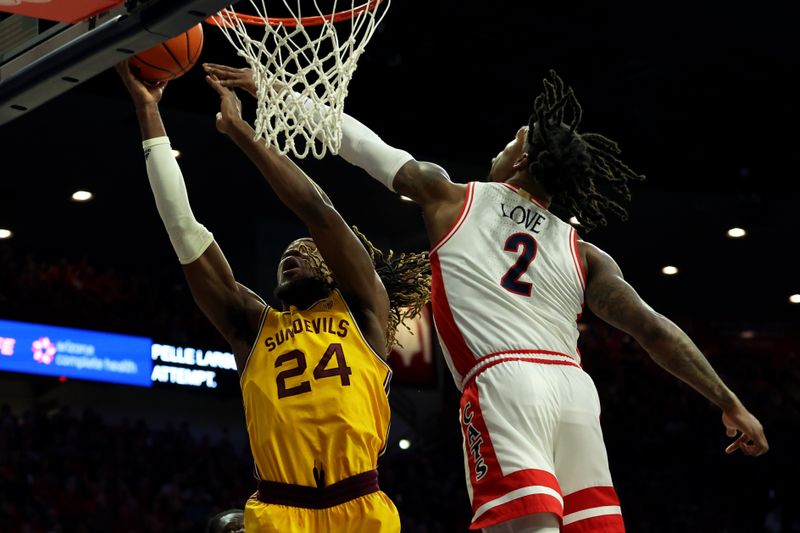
(223, 17)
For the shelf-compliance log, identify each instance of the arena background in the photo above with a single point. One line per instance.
(702, 99)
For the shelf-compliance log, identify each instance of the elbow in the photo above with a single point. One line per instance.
(308, 202)
(653, 332)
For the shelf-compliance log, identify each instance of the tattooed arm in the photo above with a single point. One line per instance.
(612, 299)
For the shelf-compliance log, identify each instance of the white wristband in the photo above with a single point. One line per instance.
(189, 238)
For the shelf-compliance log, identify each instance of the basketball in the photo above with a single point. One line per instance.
(170, 59)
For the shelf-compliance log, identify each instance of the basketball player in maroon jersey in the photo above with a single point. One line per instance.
(509, 280)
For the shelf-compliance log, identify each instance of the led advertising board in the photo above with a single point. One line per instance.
(75, 353)
(190, 367)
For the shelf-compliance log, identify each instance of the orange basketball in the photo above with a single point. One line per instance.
(170, 59)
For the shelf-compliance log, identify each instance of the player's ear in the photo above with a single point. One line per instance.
(522, 162)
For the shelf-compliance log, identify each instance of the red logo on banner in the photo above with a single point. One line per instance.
(69, 11)
(412, 364)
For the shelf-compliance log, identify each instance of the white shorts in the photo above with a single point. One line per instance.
(533, 444)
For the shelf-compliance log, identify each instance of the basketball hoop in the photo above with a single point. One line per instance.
(301, 68)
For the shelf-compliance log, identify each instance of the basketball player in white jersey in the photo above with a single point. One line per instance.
(510, 280)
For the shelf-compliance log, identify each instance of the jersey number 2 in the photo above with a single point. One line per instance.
(321, 371)
(510, 280)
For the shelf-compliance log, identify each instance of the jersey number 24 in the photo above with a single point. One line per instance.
(321, 371)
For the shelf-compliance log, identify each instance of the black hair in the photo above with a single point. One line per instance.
(407, 278)
(580, 170)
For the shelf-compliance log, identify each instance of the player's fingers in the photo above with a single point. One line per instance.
(220, 70)
(761, 449)
(155, 84)
(226, 87)
(212, 83)
(215, 84)
(732, 447)
(762, 443)
(123, 68)
(735, 445)
(757, 446)
(730, 429)
(747, 445)
(218, 66)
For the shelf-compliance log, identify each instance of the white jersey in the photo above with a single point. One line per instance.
(507, 283)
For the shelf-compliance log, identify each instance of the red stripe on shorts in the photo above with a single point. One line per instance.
(609, 523)
(584, 502)
(588, 498)
(485, 366)
(516, 508)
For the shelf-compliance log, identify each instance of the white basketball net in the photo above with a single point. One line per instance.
(301, 73)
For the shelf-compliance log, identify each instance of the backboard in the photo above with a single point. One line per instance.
(48, 47)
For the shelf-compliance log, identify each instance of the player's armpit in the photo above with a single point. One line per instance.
(426, 183)
(429, 186)
(612, 299)
(216, 292)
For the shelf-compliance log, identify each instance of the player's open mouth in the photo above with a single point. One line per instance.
(291, 263)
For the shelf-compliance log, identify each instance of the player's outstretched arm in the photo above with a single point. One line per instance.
(426, 183)
(612, 299)
(232, 308)
(342, 250)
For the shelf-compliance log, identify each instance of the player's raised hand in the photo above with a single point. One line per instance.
(231, 77)
(143, 94)
(752, 440)
(230, 107)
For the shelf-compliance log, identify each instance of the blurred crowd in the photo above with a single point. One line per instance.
(77, 293)
(62, 471)
(666, 442)
(65, 473)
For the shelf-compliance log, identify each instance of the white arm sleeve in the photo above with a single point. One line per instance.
(363, 148)
(189, 238)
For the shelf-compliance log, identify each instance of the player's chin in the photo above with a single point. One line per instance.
(285, 289)
(301, 286)
(291, 277)
(295, 279)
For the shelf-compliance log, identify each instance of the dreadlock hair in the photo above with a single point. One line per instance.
(407, 278)
(573, 166)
